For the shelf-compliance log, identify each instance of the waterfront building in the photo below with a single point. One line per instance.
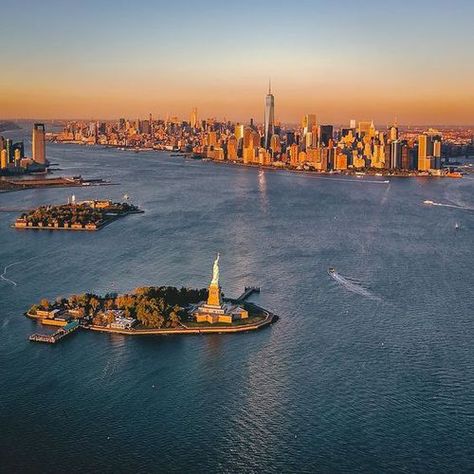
(395, 155)
(340, 160)
(425, 152)
(232, 144)
(38, 144)
(294, 154)
(215, 310)
(407, 163)
(269, 122)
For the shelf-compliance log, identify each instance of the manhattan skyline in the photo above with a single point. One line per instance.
(340, 61)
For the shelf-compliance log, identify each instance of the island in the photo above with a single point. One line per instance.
(84, 216)
(153, 310)
(19, 184)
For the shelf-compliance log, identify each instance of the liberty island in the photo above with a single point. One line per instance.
(153, 310)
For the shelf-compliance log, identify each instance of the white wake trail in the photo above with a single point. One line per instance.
(453, 206)
(3, 276)
(354, 287)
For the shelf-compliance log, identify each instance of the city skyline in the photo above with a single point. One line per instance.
(339, 61)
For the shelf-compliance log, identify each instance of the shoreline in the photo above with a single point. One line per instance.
(269, 319)
(79, 229)
(359, 173)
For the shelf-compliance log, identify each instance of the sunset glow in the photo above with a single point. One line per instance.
(408, 60)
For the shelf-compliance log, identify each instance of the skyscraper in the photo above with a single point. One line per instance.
(425, 152)
(326, 133)
(38, 144)
(194, 118)
(269, 116)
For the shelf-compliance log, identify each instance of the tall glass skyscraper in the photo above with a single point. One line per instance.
(269, 116)
(38, 144)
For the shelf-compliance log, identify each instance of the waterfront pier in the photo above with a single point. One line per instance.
(57, 336)
(248, 291)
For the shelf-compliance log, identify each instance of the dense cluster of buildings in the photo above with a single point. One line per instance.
(311, 145)
(12, 154)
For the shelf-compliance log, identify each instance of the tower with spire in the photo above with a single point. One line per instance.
(269, 120)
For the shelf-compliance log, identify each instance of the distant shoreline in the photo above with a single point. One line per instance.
(378, 173)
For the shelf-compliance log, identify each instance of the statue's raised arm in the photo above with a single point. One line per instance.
(215, 272)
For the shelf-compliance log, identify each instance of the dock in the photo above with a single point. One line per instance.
(57, 336)
(249, 290)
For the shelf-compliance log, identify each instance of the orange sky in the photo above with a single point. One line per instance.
(339, 61)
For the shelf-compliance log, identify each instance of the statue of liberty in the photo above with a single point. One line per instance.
(215, 272)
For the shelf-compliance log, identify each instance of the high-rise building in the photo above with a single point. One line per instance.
(9, 149)
(407, 162)
(269, 126)
(275, 144)
(38, 144)
(232, 148)
(437, 152)
(18, 151)
(393, 133)
(194, 118)
(395, 155)
(290, 138)
(425, 152)
(239, 131)
(3, 159)
(325, 134)
(308, 122)
(212, 138)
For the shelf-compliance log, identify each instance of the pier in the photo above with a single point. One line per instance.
(249, 290)
(57, 336)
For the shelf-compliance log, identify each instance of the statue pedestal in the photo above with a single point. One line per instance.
(214, 298)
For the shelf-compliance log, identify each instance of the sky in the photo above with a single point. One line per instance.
(411, 60)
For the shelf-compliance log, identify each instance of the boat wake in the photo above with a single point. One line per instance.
(4, 277)
(453, 206)
(353, 286)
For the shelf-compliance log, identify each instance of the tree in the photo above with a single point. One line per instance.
(173, 316)
(94, 304)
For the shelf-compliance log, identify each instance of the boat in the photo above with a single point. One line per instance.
(331, 270)
(454, 174)
(430, 203)
(457, 226)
